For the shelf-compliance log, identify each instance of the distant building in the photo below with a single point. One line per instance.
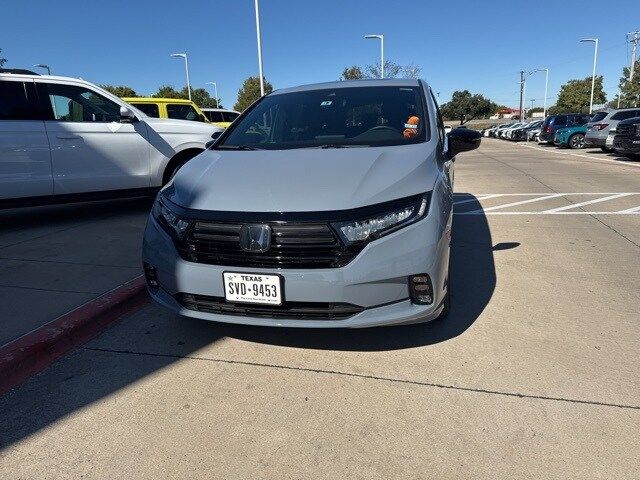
(510, 113)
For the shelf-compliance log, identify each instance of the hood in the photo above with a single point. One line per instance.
(303, 180)
(171, 125)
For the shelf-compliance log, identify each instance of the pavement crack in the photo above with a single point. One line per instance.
(371, 377)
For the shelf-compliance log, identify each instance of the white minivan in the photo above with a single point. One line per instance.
(323, 206)
(64, 139)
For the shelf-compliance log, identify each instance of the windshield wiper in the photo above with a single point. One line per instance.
(235, 147)
(341, 145)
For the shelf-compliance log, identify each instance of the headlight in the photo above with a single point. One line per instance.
(170, 221)
(384, 223)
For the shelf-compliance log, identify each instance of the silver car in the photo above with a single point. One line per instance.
(604, 122)
(326, 205)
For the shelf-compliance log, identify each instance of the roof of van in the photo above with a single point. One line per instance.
(156, 100)
(218, 110)
(375, 82)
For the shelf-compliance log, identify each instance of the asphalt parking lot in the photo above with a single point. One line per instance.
(533, 375)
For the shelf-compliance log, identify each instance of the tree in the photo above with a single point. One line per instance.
(575, 96)
(630, 91)
(120, 90)
(352, 73)
(2, 60)
(391, 70)
(250, 92)
(464, 106)
(199, 96)
(167, 91)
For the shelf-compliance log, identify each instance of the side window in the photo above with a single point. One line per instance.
(625, 114)
(150, 109)
(441, 132)
(18, 101)
(182, 112)
(229, 116)
(215, 116)
(560, 121)
(71, 103)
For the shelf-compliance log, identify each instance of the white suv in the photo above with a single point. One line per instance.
(64, 139)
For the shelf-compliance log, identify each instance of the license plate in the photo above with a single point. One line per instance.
(252, 288)
(609, 141)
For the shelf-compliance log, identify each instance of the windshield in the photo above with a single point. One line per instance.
(331, 118)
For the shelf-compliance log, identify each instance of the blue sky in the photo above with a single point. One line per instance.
(474, 45)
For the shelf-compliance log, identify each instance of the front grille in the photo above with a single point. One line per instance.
(288, 311)
(293, 245)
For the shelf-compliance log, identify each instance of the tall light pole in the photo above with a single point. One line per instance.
(593, 75)
(42, 65)
(259, 48)
(381, 38)
(186, 66)
(532, 100)
(546, 86)
(215, 88)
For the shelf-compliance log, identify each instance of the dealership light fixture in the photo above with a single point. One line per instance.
(186, 66)
(381, 38)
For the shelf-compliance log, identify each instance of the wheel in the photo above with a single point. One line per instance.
(576, 141)
(606, 149)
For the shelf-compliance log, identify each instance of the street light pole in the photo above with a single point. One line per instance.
(186, 66)
(381, 38)
(42, 65)
(259, 48)
(593, 75)
(546, 86)
(215, 88)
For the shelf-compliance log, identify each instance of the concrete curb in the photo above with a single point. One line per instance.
(34, 351)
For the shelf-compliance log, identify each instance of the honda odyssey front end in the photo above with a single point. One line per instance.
(321, 206)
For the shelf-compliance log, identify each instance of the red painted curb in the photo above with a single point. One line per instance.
(31, 353)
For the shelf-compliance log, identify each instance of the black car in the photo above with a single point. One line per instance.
(627, 139)
(554, 122)
(521, 133)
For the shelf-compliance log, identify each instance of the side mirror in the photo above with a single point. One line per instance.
(215, 135)
(127, 115)
(462, 140)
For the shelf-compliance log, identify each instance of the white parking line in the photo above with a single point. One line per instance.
(588, 202)
(521, 202)
(539, 197)
(475, 199)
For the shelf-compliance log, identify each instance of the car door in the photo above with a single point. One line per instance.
(91, 148)
(25, 158)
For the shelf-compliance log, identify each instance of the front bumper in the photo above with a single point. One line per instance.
(626, 144)
(377, 279)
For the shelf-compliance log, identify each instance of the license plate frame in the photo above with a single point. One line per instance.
(274, 279)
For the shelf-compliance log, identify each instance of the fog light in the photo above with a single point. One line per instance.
(421, 289)
(151, 276)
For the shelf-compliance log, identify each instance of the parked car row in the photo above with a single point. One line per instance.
(610, 130)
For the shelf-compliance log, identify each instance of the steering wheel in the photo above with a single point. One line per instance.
(384, 127)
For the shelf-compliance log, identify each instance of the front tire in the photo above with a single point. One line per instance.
(576, 141)
(606, 149)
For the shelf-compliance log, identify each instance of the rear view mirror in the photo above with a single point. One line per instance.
(127, 115)
(463, 140)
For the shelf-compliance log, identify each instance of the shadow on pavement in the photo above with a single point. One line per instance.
(51, 215)
(155, 339)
